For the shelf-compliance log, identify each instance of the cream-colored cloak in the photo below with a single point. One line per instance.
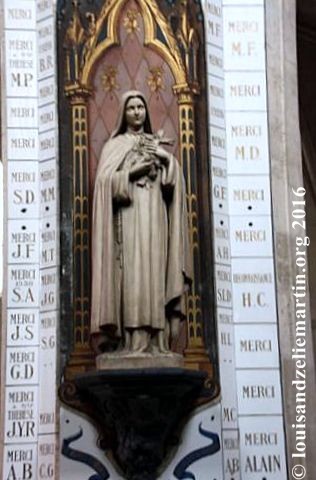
(141, 260)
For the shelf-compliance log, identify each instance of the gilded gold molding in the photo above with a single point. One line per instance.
(188, 39)
(151, 15)
(83, 50)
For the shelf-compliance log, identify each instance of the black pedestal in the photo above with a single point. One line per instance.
(139, 413)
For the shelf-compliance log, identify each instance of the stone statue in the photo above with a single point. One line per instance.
(141, 260)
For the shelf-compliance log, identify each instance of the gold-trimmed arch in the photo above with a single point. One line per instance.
(82, 54)
(151, 13)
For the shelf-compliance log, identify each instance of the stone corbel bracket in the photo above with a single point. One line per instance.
(139, 413)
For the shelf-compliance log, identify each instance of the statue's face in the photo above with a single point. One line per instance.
(135, 112)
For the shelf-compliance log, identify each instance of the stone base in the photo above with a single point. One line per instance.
(127, 361)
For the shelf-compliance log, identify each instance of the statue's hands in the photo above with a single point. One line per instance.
(140, 169)
(152, 147)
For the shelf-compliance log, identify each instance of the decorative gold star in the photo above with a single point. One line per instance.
(155, 79)
(109, 80)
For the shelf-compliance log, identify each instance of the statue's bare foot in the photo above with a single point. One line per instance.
(127, 343)
(161, 343)
(139, 341)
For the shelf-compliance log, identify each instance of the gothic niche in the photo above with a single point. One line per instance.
(106, 47)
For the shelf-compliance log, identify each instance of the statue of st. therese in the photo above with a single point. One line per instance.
(141, 260)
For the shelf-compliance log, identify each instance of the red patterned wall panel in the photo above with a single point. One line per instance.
(125, 67)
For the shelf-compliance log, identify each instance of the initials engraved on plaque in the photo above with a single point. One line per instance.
(46, 460)
(20, 461)
(22, 365)
(48, 290)
(244, 39)
(250, 299)
(223, 286)
(23, 241)
(229, 415)
(253, 286)
(226, 339)
(20, 62)
(25, 245)
(214, 28)
(220, 192)
(231, 452)
(21, 414)
(46, 47)
(247, 143)
(248, 49)
(23, 286)
(48, 188)
(262, 442)
(22, 327)
(22, 189)
(48, 331)
(49, 238)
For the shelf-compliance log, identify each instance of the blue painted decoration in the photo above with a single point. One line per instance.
(181, 471)
(86, 458)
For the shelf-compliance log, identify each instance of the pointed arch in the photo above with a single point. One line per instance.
(152, 17)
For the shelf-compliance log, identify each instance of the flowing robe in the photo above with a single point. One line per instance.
(141, 258)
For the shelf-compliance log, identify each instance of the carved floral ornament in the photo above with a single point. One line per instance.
(155, 79)
(130, 22)
(109, 80)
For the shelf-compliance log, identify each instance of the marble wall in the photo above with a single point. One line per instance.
(31, 268)
(248, 421)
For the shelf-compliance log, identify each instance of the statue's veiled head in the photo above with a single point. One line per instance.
(122, 121)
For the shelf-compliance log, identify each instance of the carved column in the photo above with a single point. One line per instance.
(196, 357)
(82, 358)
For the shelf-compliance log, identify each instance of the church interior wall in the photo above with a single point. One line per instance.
(255, 159)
